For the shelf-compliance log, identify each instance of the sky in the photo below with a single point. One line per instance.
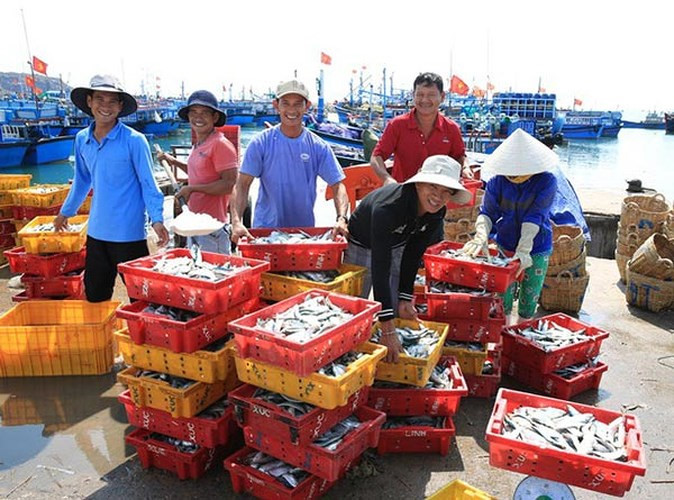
(595, 51)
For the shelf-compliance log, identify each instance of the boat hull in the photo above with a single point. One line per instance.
(610, 130)
(335, 139)
(243, 120)
(154, 128)
(669, 124)
(649, 126)
(49, 150)
(12, 153)
(582, 131)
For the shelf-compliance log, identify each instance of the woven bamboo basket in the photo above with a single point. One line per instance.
(470, 213)
(567, 244)
(627, 246)
(627, 233)
(622, 261)
(459, 231)
(655, 258)
(576, 267)
(644, 210)
(564, 293)
(668, 228)
(649, 293)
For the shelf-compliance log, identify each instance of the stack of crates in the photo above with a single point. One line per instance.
(52, 263)
(8, 183)
(39, 200)
(270, 362)
(419, 408)
(464, 294)
(54, 337)
(181, 367)
(561, 372)
(298, 267)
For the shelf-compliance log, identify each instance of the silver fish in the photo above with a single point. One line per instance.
(332, 438)
(281, 237)
(338, 367)
(216, 410)
(569, 430)
(315, 276)
(288, 475)
(195, 267)
(417, 343)
(294, 407)
(172, 313)
(499, 260)
(420, 421)
(175, 382)
(48, 227)
(443, 287)
(180, 445)
(568, 372)
(549, 335)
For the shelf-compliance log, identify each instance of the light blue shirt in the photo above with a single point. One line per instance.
(287, 169)
(119, 169)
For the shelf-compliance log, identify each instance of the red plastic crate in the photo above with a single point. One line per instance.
(457, 305)
(416, 439)
(319, 256)
(47, 266)
(471, 185)
(257, 414)
(56, 287)
(246, 479)
(154, 453)
(421, 401)
(523, 351)
(592, 473)
(206, 432)
(329, 465)
(305, 358)
(472, 330)
(466, 273)
(552, 384)
(486, 386)
(23, 297)
(7, 240)
(24, 212)
(188, 293)
(178, 336)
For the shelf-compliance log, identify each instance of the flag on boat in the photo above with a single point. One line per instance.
(458, 86)
(39, 66)
(325, 59)
(577, 102)
(477, 91)
(30, 82)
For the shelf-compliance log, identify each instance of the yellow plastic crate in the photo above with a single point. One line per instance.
(52, 326)
(32, 197)
(277, 287)
(202, 366)
(317, 389)
(49, 363)
(458, 490)
(14, 181)
(160, 395)
(410, 370)
(52, 241)
(7, 197)
(471, 362)
(86, 206)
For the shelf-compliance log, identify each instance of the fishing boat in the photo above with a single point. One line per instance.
(653, 121)
(612, 123)
(13, 147)
(49, 149)
(669, 123)
(335, 133)
(154, 119)
(582, 124)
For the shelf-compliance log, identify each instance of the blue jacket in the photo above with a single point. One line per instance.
(508, 205)
(119, 169)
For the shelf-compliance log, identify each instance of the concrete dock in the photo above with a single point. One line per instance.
(63, 437)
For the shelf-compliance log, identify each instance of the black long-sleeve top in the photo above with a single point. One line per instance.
(385, 219)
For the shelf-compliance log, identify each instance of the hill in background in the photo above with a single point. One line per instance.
(15, 84)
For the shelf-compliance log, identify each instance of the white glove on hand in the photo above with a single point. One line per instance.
(479, 242)
(524, 246)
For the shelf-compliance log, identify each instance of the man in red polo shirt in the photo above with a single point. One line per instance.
(421, 133)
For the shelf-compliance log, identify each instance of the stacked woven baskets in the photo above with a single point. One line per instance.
(650, 274)
(641, 216)
(566, 279)
(460, 222)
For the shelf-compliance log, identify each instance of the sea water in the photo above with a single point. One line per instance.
(599, 163)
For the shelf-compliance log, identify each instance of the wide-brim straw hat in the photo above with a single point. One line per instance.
(443, 171)
(203, 98)
(103, 83)
(521, 154)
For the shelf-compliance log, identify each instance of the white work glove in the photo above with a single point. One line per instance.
(481, 239)
(524, 246)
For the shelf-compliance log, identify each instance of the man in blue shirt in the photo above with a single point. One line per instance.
(288, 159)
(115, 161)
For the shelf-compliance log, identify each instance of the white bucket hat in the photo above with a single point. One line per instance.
(443, 171)
(105, 83)
(521, 154)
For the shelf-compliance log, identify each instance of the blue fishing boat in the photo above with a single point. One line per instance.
(582, 124)
(13, 146)
(49, 149)
(154, 119)
(612, 122)
(669, 123)
(653, 121)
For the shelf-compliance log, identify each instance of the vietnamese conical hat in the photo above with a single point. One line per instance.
(520, 154)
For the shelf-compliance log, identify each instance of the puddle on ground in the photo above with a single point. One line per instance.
(72, 423)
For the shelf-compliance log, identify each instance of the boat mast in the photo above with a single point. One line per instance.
(30, 64)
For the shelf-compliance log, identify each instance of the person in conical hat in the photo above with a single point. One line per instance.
(516, 211)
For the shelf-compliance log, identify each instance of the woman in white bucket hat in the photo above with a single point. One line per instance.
(396, 217)
(516, 211)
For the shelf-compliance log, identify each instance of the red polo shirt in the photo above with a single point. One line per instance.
(403, 138)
